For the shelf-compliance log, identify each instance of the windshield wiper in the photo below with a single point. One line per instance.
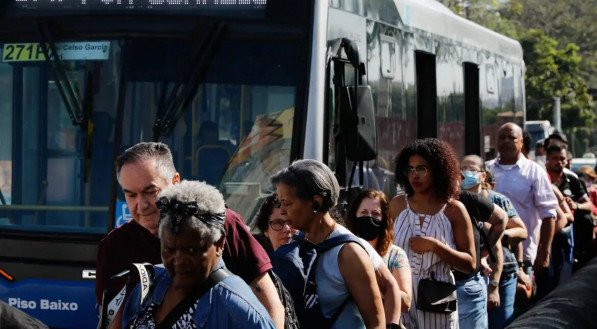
(79, 112)
(65, 88)
(182, 94)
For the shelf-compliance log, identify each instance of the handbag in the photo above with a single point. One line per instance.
(436, 296)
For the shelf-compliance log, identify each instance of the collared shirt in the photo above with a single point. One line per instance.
(528, 187)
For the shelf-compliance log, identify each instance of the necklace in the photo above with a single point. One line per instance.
(326, 237)
(331, 231)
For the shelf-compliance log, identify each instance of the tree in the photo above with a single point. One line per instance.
(553, 71)
(568, 21)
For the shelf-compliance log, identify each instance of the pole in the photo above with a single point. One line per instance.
(557, 117)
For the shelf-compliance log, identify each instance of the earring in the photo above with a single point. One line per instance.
(219, 253)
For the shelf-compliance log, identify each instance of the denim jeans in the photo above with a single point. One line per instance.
(501, 316)
(472, 302)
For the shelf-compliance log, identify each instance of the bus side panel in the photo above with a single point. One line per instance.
(59, 304)
(53, 280)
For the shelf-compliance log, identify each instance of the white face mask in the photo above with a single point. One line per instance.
(540, 159)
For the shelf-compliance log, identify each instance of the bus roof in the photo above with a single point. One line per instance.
(434, 17)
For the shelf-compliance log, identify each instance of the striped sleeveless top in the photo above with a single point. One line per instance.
(437, 226)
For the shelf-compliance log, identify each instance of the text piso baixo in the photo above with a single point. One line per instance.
(44, 304)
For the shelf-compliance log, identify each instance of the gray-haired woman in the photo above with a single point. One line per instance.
(193, 289)
(307, 190)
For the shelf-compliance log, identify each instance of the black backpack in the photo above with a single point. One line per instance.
(290, 317)
(295, 264)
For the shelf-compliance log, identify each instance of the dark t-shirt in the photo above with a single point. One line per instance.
(479, 210)
(131, 243)
(127, 244)
(571, 186)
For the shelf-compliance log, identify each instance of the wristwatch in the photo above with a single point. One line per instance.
(494, 283)
(392, 326)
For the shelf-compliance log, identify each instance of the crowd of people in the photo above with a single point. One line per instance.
(466, 244)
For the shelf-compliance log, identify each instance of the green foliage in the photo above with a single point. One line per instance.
(551, 72)
(559, 39)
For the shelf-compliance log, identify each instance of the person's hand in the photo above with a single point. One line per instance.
(541, 261)
(524, 286)
(485, 268)
(523, 278)
(422, 244)
(493, 297)
(571, 203)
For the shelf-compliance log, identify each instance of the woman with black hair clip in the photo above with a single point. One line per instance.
(193, 288)
(434, 230)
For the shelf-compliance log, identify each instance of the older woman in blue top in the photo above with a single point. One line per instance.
(193, 289)
(307, 190)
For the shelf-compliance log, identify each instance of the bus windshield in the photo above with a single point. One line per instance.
(56, 172)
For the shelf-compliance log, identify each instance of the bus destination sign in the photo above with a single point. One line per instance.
(69, 7)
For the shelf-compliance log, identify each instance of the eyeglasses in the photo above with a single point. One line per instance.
(278, 224)
(420, 171)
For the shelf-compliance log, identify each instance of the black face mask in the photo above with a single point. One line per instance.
(368, 227)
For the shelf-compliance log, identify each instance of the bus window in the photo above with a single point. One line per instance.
(236, 131)
(56, 176)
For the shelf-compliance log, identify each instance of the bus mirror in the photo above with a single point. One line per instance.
(358, 123)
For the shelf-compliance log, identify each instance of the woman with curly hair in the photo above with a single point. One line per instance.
(434, 230)
(368, 219)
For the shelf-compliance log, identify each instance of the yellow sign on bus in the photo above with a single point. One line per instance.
(22, 52)
(72, 51)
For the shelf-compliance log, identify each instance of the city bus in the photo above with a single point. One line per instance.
(238, 89)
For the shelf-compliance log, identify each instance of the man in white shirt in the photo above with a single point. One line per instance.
(528, 187)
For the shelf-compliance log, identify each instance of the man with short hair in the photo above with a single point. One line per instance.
(529, 189)
(143, 171)
(576, 196)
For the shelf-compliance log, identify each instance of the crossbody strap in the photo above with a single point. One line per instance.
(110, 307)
(184, 305)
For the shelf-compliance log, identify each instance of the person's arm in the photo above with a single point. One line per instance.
(546, 203)
(493, 289)
(245, 257)
(516, 231)
(263, 287)
(544, 249)
(563, 213)
(498, 221)
(584, 204)
(403, 277)
(357, 270)
(390, 293)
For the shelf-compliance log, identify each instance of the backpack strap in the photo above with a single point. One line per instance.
(110, 307)
(336, 241)
(184, 305)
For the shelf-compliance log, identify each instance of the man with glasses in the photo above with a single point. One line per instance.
(529, 189)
